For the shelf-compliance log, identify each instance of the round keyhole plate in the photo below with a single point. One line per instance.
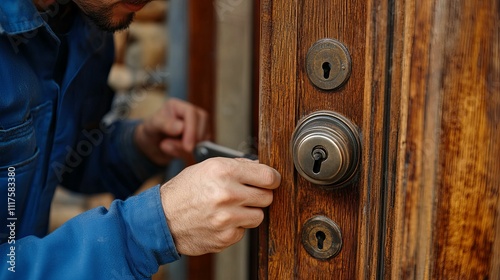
(328, 231)
(328, 64)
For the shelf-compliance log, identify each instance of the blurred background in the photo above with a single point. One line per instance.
(204, 52)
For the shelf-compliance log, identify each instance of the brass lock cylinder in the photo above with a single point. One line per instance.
(326, 149)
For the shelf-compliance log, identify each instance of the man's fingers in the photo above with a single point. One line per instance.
(194, 122)
(258, 175)
(237, 217)
(189, 135)
(250, 217)
(187, 113)
(174, 148)
(173, 128)
(171, 147)
(256, 197)
(202, 128)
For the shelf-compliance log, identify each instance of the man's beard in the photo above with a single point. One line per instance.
(103, 19)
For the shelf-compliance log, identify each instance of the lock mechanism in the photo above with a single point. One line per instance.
(328, 64)
(321, 237)
(326, 149)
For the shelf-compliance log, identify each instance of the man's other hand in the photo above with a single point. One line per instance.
(172, 132)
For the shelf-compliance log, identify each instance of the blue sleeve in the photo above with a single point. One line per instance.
(129, 241)
(115, 164)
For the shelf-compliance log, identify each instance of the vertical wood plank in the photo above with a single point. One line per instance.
(288, 30)
(396, 59)
(415, 243)
(256, 68)
(254, 233)
(379, 131)
(469, 185)
(277, 102)
(444, 223)
(494, 86)
(346, 22)
(201, 71)
(201, 92)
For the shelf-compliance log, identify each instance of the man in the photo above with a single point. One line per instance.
(54, 61)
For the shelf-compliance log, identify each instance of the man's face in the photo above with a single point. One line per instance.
(111, 15)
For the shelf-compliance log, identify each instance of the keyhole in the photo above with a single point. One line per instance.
(320, 236)
(319, 155)
(327, 67)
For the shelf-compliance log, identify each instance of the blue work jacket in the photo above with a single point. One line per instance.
(51, 134)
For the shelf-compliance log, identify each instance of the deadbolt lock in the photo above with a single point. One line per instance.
(321, 237)
(328, 64)
(326, 149)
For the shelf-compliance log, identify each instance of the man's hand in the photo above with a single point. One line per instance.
(208, 206)
(171, 132)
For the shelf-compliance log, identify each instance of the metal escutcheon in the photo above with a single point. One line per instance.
(326, 149)
(321, 237)
(328, 64)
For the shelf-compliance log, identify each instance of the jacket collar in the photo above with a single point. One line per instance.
(19, 16)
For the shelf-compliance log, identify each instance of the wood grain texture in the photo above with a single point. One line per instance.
(444, 223)
(469, 185)
(277, 121)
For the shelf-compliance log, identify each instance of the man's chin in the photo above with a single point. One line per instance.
(124, 23)
(106, 23)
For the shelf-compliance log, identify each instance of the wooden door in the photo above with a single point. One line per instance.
(424, 92)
